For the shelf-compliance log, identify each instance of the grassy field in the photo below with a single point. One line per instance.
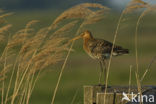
(81, 69)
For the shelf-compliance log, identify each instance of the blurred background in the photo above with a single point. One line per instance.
(20, 5)
(81, 69)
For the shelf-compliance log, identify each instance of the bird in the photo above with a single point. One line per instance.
(100, 50)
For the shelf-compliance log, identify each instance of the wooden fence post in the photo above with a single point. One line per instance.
(95, 94)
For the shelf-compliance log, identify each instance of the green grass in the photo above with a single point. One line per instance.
(81, 69)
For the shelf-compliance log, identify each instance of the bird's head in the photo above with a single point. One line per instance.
(85, 35)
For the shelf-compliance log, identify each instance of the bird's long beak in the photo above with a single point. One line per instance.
(76, 38)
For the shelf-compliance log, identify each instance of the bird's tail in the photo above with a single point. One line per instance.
(119, 51)
(123, 51)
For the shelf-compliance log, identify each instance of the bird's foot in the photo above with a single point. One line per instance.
(100, 84)
(103, 85)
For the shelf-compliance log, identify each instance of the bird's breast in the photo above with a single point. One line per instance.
(87, 48)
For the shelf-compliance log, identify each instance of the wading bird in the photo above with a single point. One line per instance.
(100, 50)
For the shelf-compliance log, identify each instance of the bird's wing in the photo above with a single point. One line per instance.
(100, 46)
(103, 47)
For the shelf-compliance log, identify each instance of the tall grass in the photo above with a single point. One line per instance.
(33, 50)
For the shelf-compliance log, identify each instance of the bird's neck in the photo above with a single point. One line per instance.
(88, 37)
(85, 42)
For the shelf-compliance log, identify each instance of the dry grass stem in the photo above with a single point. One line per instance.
(139, 86)
(60, 75)
(109, 63)
(74, 97)
(130, 79)
(148, 68)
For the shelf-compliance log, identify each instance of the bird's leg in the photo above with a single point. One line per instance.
(101, 71)
(105, 71)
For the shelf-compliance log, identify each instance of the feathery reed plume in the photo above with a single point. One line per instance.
(2, 21)
(2, 38)
(49, 54)
(31, 24)
(96, 16)
(5, 71)
(22, 35)
(34, 41)
(94, 20)
(79, 11)
(149, 9)
(135, 5)
(5, 28)
(5, 15)
(65, 28)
